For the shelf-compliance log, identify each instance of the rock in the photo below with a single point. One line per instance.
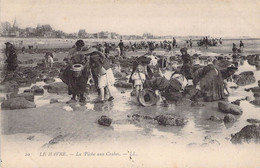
(120, 75)
(30, 137)
(237, 102)
(197, 104)
(123, 84)
(256, 95)
(105, 121)
(234, 87)
(27, 96)
(35, 87)
(214, 118)
(170, 120)
(39, 91)
(250, 133)
(255, 89)
(246, 78)
(36, 90)
(56, 140)
(258, 83)
(53, 101)
(209, 141)
(227, 107)
(57, 87)
(255, 102)
(253, 121)
(138, 117)
(229, 118)
(10, 86)
(17, 103)
(49, 80)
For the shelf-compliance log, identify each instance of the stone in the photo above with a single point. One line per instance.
(10, 86)
(57, 87)
(236, 102)
(255, 102)
(120, 75)
(253, 121)
(105, 121)
(53, 101)
(197, 104)
(123, 84)
(249, 134)
(246, 78)
(229, 118)
(27, 96)
(256, 95)
(56, 139)
(214, 118)
(170, 120)
(258, 83)
(35, 87)
(230, 108)
(17, 103)
(36, 90)
(49, 80)
(255, 89)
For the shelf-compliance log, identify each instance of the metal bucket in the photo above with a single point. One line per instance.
(77, 70)
(147, 97)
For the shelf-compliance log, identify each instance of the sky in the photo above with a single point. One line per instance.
(224, 18)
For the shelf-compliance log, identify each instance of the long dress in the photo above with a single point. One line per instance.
(211, 84)
(76, 85)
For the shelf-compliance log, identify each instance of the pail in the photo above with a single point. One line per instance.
(147, 97)
(77, 70)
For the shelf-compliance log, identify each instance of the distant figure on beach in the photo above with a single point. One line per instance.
(121, 47)
(241, 45)
(190, 43)
(173, 42)
(48, 60)
(220, 41)
(234, 48)
(11, 55)
(206, 42)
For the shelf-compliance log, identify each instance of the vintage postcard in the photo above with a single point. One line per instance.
(130, 83)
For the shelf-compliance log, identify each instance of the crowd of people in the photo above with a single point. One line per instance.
(85, 63)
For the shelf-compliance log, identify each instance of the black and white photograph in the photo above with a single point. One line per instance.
(130, 83)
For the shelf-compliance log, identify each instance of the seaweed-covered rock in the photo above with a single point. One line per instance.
(255, 102)
(57, 87)
(17, 103)
(170, 120)
(236, 102)
(27, 96)
(53, 101)
(246, 78)
(49, 80)
(230, 108)
(105, 121)
(253, 121)
(250, 133)
(229, 118)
